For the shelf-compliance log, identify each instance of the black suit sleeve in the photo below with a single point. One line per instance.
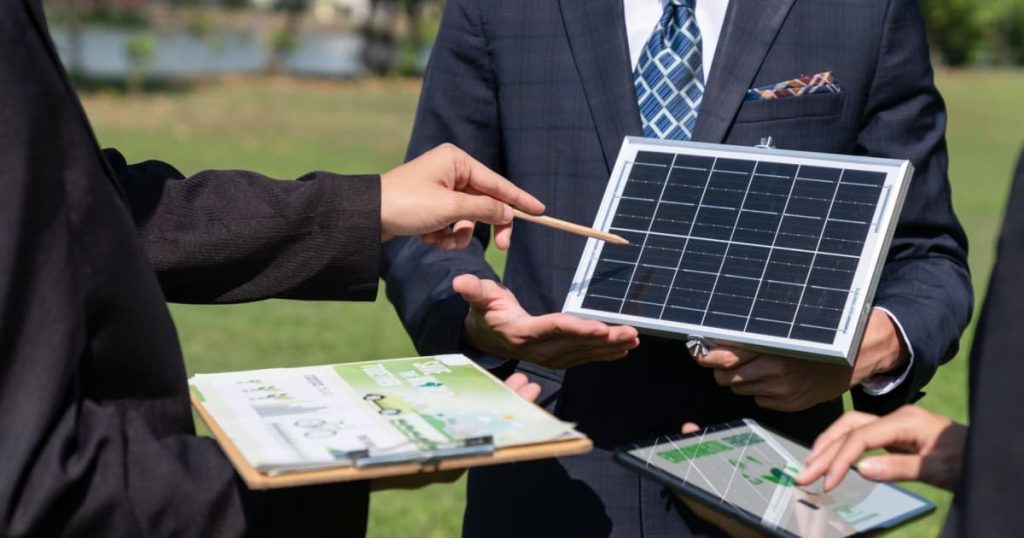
(925, 283)
(232, 236)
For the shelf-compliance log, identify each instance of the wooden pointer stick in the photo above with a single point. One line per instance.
(570, 227)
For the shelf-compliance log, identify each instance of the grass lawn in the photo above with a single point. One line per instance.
(284, 128)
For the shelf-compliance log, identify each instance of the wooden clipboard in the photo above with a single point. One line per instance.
(261, 481)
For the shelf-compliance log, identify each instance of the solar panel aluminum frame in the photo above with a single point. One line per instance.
(846, 343)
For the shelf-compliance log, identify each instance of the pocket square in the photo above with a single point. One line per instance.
(822, 82)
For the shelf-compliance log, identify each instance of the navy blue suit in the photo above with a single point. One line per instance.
(542, 91)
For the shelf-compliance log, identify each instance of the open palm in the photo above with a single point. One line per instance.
(498, 325)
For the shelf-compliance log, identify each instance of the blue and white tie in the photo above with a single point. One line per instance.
(669, 76)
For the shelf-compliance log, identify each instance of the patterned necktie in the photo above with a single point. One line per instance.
(669, 77)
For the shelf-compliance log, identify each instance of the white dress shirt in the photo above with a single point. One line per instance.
(642, 17)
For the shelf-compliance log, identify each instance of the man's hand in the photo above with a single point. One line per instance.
(498, 325)
(517, 382)
(929, 447)
(788, 384)
(440, 194)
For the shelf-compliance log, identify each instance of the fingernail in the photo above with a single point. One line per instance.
(869, 467)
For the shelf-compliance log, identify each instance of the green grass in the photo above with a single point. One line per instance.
(284, 128)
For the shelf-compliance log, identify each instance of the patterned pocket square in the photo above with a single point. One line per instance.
(822, 82)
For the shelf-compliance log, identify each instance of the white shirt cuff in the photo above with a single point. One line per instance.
(884, 383)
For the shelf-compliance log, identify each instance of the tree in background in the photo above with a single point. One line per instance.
(140, 49)
(286, 39)
(976, 32)
(389, 49)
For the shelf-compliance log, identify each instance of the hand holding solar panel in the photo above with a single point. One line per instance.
(772, 250)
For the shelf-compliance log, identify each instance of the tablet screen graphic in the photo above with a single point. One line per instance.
(747, 468)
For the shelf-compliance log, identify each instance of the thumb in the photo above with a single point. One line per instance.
(482, 208)
(891, 468)
(478, 293)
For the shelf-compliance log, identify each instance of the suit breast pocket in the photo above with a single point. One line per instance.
(819, 105)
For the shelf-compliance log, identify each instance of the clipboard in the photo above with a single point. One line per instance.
(361, 464)
(256, 480)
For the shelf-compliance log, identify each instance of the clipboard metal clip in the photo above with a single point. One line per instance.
(473, 446)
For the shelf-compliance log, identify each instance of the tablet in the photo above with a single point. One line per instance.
(747, 472)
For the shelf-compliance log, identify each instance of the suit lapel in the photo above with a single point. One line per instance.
(597, 37)
(749, 30)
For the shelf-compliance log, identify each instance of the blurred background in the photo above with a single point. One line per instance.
(287, 86)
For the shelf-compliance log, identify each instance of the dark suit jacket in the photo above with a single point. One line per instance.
(542, 90)
(988, 496)
(96, 435)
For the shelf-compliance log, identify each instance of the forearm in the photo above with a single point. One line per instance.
(233, 236)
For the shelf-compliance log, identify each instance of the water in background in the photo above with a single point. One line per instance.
(102, 53)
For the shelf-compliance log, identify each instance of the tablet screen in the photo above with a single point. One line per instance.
(753, 470)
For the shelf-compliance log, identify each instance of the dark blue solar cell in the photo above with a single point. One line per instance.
(864, 177)
(855, 203)
(767, 202)
(692, 289)
(645, 181)
(674, 218)
(788, 266)
(685, 186)
(768, 327)
(776, 169)
(741, 166)
(777, 301)
(693, 161)
(832, 271)
(818, 172)
(821, 307)
(663, 251)
(811, 198)
(715, 223)
(842, 237)
(721, 320)
(601, 303)
(813, 334)
(705, 256)
(746, 261)
(681, 314)
(726, 190)
(650, 284)
(733, 295)
(633, 214)
(799, 232)
(757, 228)
(611, 279)
(654, 157)
(627, 253)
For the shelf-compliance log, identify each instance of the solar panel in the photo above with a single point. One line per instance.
(774, 250)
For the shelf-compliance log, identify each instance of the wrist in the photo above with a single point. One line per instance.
(883, 349)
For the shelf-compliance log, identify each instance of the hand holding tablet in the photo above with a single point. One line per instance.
(748, 474)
